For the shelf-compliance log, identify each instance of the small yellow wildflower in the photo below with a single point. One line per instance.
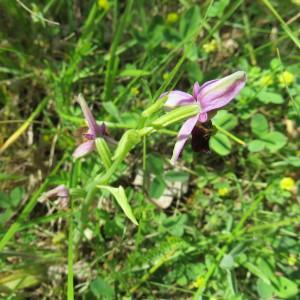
(103, 4)
(287, 183)
(172, 18)
(292, 259)
(166, 76)
(266, 81)
(297, 2)
(211, 46)
(224, 191)
(198, 282)
(286, 78)
(134, 91)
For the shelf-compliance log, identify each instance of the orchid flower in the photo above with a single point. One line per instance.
(210, 97)
(61, 192)
(94, 131)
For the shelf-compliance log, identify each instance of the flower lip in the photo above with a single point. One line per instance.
(210, 97)
(89, 136)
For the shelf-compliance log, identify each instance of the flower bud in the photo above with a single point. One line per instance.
(129, 139)
(104, 152)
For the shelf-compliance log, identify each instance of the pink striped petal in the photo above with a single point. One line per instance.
(83, 149)
(182, 137)
(178, 98)
(196, 90)
(215, 94)
(93, 127)
(203, 117)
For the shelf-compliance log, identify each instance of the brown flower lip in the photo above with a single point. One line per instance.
(200, 137)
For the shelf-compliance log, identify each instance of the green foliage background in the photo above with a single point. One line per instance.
(232, 229)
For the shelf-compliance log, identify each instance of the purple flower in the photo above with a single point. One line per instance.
(60, 192)
(210, 97)
(94, 131)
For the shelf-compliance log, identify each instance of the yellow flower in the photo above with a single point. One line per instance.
(103, 4)
(224, 191)
(211, 46)
(287, 183)
(292, 259)
(198, 282)
(134, 91)
(266, 80)
(286, 78)
(172, 18)
(297, 2)
(166, 76)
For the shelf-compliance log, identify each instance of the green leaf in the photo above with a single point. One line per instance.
(287, 288)
(155, 164)
(112, 110)
(217, 8)
(225, 120)
(8, 177)
(293, 161)
(190, 21)
(157, 187)
(265, 290)
(274, 140)
(259, 124)
(257, 272)
(174, 176)
(175, 224)
(270, 97)
(220, 144)
(227, 262)
(4, 200)
(122, 200)
(265, 266)
(134, 73)
(101, 289)
(191, 52)
(5, 216)
(256, 145)
(194, 72)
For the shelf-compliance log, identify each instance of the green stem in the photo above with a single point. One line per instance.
(14, 228)
(230, 135)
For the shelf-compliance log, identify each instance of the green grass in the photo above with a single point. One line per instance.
(231, 228)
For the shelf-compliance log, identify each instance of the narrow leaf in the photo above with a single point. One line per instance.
(122, 200)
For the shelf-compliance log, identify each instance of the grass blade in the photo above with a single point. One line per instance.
(284, 25)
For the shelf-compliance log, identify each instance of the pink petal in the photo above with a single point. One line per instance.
(101, 130)
(59, 191)
(218, 93)
(203, 117)
(182, 137)
(196, 90)
(178, 98)
(83, 149)
(93, 127)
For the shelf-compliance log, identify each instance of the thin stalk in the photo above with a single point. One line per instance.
(284, 25)
(230, 135)
(24, 127)
(14, 228)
